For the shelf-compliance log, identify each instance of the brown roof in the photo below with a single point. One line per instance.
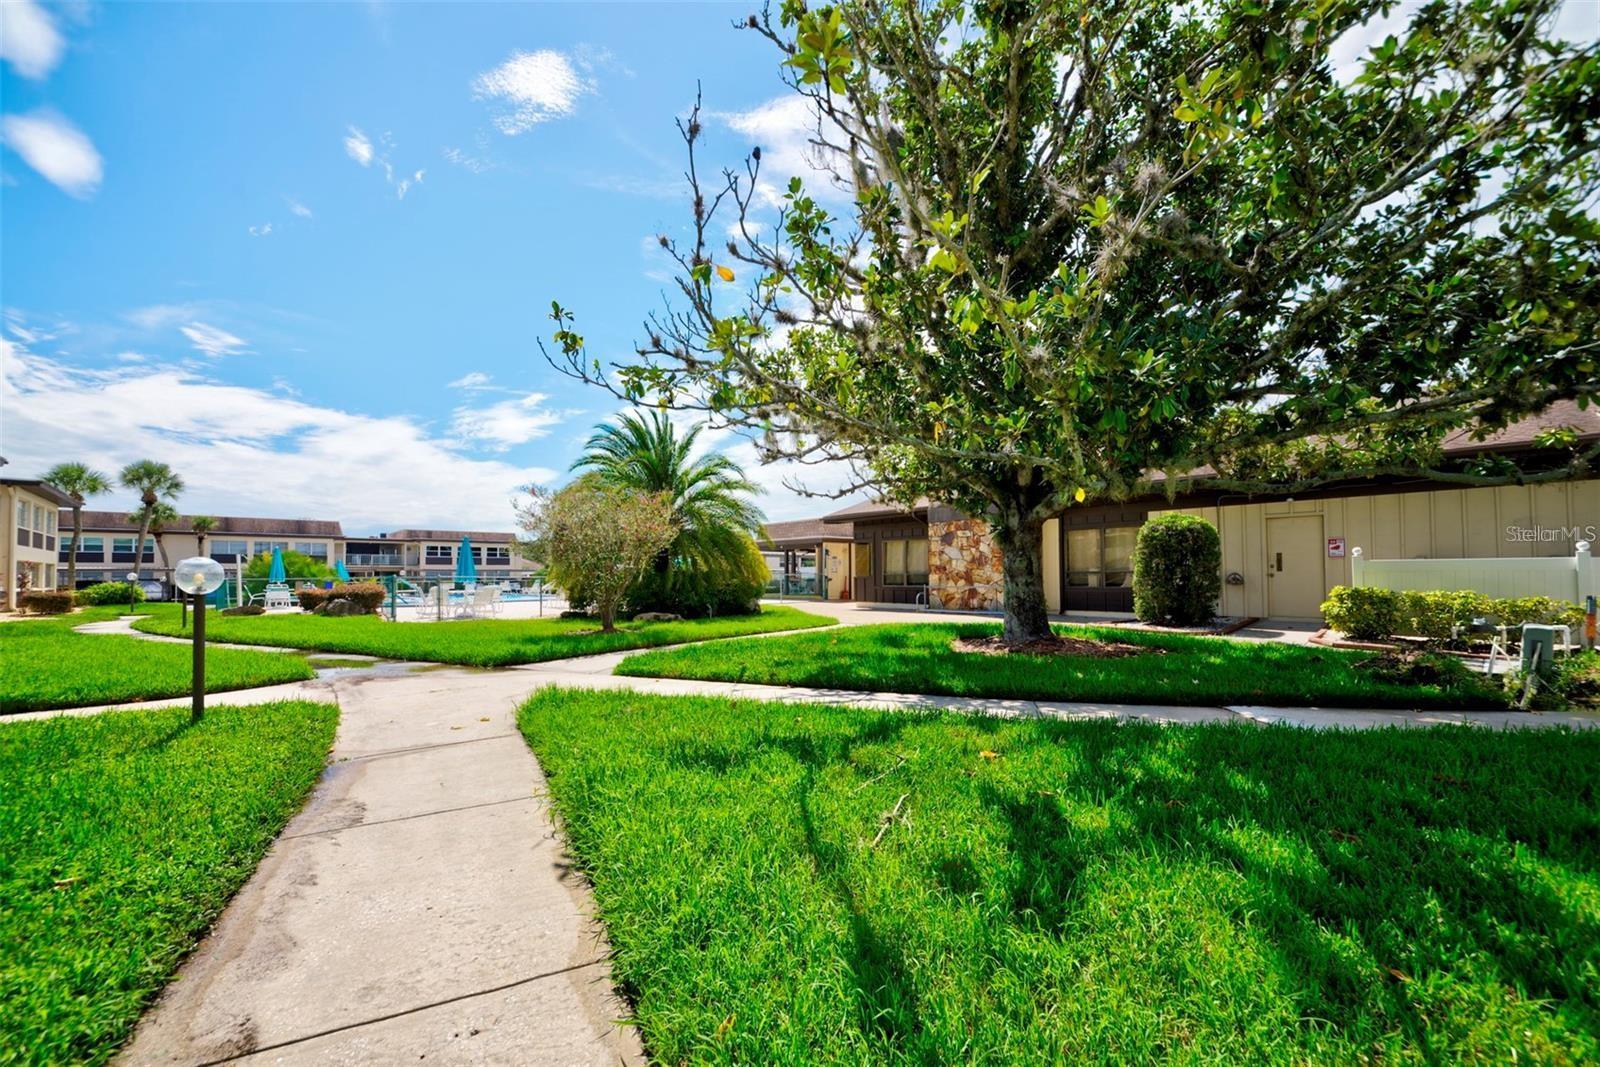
(876, 509)
(1520, 434)
(447, 535)
(39, 488)
(226, 524)
(804, 532)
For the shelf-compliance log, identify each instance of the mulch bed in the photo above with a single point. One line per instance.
(1051, 646)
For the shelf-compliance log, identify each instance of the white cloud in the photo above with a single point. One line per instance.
(213, 340)
(474, 380)
(156, 316)
(532, 87)
(29, 40)
(245, 451)
(476, 164)
(405, 183)
(262, 230)
(784, 129)
(296, 208)
(499, 426)
(358, 147)
(55, 148)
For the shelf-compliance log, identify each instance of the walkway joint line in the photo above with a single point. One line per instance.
(236, 1057)
(404, 818)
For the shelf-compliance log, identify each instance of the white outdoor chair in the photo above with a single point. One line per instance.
(486, 601)
(436, 603)
(279, 597)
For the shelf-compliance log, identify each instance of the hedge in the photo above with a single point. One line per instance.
(111, 593)
(1177, 564)
(46, 601)
(1368, 613)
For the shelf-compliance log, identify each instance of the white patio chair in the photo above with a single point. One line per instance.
(486, 601)
(279, 597)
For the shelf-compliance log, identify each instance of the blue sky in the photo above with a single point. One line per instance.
(302, 252)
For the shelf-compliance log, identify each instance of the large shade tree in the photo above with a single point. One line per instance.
(157, 486)
(709, 493)
(1090, 244)
(80, 482)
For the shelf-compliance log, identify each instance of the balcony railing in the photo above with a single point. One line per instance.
(373, 559)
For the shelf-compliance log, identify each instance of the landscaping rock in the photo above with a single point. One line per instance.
(245, 609)
(339, 609)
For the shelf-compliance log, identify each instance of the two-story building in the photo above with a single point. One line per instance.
(109, 543)
(28, 557)
(435, 554)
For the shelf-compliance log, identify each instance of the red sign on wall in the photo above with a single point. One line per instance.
(1335, 548)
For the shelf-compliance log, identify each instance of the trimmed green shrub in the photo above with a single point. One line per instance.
(111, 593)
(1435, 615)
(46, 601)
(1365, 613)
(1372, 614)
(1514, 611)
(1177, 570)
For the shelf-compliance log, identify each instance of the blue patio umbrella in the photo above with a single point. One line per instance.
(338, 568)
(276, 574)
(466, 569)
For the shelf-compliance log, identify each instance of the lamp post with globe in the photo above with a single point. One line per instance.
(133, 585)
(198, 576)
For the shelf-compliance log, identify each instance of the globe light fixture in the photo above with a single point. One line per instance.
(133, 583)
(198, 576)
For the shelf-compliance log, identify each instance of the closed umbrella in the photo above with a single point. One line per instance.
(276, 574)
(466, 569)
(338, 568)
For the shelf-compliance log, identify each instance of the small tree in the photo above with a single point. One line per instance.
(1176, 565)
(295, 565)
(602, 535)
(202, 525)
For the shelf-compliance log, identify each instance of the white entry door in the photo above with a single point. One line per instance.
(1295, 584)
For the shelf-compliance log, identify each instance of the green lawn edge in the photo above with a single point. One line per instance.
(46, 665)
(126, 834)
(811, 884)
(475, 642)
(1191, 671)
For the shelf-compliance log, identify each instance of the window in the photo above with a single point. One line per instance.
(905, 562)
(93, 548)
(264, 548)
(314, 549)
(1101, 556)
(122, 550)
(229, 551)
(440, 554)
(863, 567)
(22, 514)
(497, 554)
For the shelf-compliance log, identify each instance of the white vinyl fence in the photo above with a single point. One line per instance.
(1560, 577)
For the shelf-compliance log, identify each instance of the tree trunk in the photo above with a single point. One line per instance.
(138, 546)
(1020, 538)
(77, 538)
(608, 618)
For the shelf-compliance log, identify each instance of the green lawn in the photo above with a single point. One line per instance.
(1065, 892)
(44, 664)
(477, 642)
(917, 658)
(124, 834)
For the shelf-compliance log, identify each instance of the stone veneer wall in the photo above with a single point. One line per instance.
(963, 566)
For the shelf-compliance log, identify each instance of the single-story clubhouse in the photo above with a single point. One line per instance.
(1281, 554)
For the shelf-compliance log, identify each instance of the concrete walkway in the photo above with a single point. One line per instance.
(420, 907)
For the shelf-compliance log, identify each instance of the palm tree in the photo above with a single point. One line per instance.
(153, 481)
(710, 506)
(158, 516)
(201, 525)
(78, 481)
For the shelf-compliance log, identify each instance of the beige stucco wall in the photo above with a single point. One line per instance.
(38, 561)
(1434, 524)
(1052, 565)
